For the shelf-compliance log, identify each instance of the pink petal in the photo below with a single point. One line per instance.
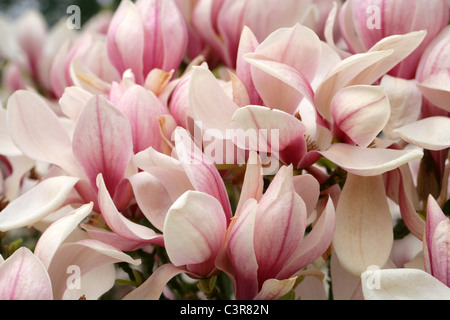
(308, 188)
(241, 252)
(200, 170)
(102, 142)
(118, 223)
(346, 25)
(37, 203)
(179, 102)
(361, 112)
(276, 242)
(366, 68)
(289, 76)
(412, 220)
(297, 47)
(58, 80)
(199, 220)
(162, 20)
(345, 284)
(403, 45)
(169, 171)
(440, 252)
(83, 77)
(152, 197)
(247, 44)
(24, 277)
(434, 58)
(437, 241)
(270, 130)
(253, 184)
(30, 32)
(204, 19)
(126, 40)
(112, 239)
(363, 235)
(45, 137)
(73, 101)
(314, 244)
(208, 101)
(344, 74)
(329, 30)
(142, 108)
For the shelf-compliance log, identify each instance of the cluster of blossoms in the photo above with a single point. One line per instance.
(227, 149)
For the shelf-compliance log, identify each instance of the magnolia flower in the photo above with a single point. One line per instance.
(264, 255)
(220, 23)
(72, 177)
(82, 60)
(30, 48)
(161, 182)
(41, 56)
(81, 154)
(146, 35)
(47, 272)
(363, 23)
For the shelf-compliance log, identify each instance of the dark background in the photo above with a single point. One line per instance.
(53, 10)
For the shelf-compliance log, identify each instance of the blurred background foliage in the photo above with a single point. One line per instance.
(53, 10)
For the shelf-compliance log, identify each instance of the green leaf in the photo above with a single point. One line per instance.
(288, 296)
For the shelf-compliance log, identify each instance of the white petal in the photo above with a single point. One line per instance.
(369, 161)
(430, 133)
(363, 235)
(361, 112)
(56, 233)
(37, 203)
(402, 284)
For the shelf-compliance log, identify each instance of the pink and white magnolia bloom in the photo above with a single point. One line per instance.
(266, 244)
(82, 60)
(220, 23)
(82, 153)
(147, 35)
(363, 23)
(161, 182)
(91, 147)
(45, 274)
(40, 56)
